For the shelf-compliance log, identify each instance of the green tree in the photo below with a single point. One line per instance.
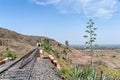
(7, 41)
(91, 37)
(66, 43)
(65, 51)
(59, 45)
(47, 45)
(0, 42)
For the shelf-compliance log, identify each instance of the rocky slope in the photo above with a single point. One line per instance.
(21, 44)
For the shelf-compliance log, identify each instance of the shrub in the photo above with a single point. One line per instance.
(109, 74)
(75, 74)
(0, 42)
(113, 56)
(66, 43)
(67, 74)
(47, 46)
(65, 51)
(88, 73)
(64, 71)
(57, 54)
(59, 45)
(1, 57)
(84, 74)
(102, 55)
(57, 72)
(97, 55)
(10, 54)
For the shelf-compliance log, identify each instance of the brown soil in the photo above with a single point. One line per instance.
(109, 58)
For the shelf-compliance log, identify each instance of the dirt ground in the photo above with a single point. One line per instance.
(108, 57)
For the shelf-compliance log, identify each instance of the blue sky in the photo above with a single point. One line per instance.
(63, 19)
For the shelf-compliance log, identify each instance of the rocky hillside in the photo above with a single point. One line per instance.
(21, 44)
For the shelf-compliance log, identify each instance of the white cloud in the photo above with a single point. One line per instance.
(92, 8)
(102, 8)
(46, 2)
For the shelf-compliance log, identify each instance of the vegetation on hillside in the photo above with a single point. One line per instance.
(47, 45)
(8, 54)
(66, 43)
(70, 71)
(87, 73)
(100, 47)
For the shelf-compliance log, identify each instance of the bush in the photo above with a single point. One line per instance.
(64, 71)
(102, 55)
(59, 45)
(88, 73)
(65, 51)
(57, 54)
(1, 57)
(113, 56)
(75, 74)
(47, 46)
(109, 74)
(0, 42)
(10, 54)
(80, 74)
(57, 72)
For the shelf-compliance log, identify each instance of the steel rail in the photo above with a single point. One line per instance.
(26, 63)
(32, 66)
(26, 55)
(27, 60)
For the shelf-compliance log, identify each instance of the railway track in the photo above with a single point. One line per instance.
(20, 69)
(44, 70)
